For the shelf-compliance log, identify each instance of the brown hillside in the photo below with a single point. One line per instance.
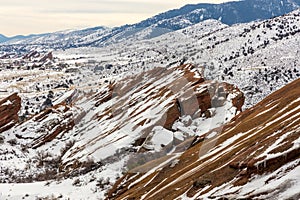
(258, 141)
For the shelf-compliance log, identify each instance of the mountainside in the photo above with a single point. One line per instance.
(82, 138)
(133, 119)
(256, 155)
(258, 57)
(263, 55)
(228, 13)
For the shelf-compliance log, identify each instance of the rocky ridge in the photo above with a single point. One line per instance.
(250, 157)
(82, 133)
(9, 108)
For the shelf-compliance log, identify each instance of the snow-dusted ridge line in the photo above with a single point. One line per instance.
(163, 23)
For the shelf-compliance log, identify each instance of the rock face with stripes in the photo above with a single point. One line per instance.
(124, 114)
(256, 155)
(9, 108)
(155, 112)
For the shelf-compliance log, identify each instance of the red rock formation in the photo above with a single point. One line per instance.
(154, 98)
(257, 141)
(30, 55)
(46, 57)
(9, 108)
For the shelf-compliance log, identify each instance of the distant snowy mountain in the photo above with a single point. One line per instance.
(58, 39)
(3, 38)
(228, 13)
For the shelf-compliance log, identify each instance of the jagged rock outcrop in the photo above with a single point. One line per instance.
(31, 55)
(48, 56)
(9, 108)
(250, 157)
(52, 122)
(84, 132)
(155, 98)
(127, 115)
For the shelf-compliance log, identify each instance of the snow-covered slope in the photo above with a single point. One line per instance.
(255, 156)
(258, 57)
(89, 115)
(82, 138)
